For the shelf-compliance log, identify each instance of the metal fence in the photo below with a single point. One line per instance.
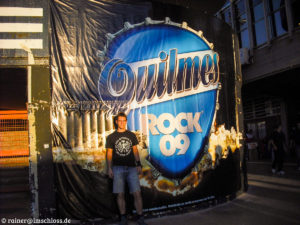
(14, 145)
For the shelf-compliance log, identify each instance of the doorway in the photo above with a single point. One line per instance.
(14, 143)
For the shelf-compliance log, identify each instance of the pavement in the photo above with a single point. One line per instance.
(270, 200)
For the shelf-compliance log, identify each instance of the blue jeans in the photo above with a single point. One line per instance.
(122, 174)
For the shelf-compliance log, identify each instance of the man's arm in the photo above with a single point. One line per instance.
(137, 158)
(273, 144)
(109, 162)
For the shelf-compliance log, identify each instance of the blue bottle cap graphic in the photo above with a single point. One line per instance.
(166, 76)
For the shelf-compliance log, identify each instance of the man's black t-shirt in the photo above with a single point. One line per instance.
(279, 140)
(121, 143)
(297, 137)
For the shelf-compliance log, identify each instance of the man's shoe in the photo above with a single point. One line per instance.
(281, 172)
(123, 220)
(140, 221)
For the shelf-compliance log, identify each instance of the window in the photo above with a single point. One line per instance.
(226, 16)
(277, 17)
(252, 127)
(259, 28)
(261, 128)
(225, 13)
(242, 24)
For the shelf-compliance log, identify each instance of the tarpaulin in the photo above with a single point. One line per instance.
(78, 32)
(81, 193)
(172, 70)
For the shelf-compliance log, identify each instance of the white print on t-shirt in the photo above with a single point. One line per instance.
(123, 146)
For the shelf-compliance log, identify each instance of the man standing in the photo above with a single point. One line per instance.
(297, 144)
(124, 165)
(278, 144)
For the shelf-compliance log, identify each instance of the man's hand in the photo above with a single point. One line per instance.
(139, 169)
(109, 162)
(110, 173)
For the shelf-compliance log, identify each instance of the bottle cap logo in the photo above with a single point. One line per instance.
(166, 76)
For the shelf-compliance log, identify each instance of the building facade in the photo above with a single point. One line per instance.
(269, 37)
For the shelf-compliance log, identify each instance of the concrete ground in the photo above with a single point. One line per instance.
(270, 200)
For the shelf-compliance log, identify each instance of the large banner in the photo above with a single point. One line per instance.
(176, 83)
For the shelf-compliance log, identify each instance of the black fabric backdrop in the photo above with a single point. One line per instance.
(78, 31)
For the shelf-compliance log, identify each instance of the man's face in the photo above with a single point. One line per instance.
(122, 122)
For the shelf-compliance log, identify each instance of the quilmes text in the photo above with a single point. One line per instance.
(156, 80)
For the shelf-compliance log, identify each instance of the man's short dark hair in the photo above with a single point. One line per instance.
(120, 114)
